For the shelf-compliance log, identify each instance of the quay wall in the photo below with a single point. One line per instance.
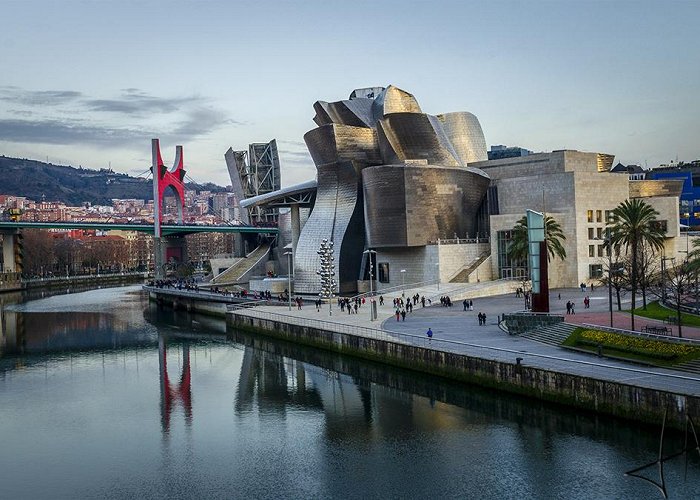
(586, 393)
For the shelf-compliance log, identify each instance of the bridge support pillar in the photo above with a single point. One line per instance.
(11, 258)
(173, 251)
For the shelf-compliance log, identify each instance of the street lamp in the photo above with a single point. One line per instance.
(403, 272)
(608, 246)
(371, 291)
(289, 278)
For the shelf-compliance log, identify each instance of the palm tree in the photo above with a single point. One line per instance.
(553, 234)
(632, 225)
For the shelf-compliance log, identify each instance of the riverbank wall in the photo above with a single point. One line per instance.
(89, 281)
(586, 393)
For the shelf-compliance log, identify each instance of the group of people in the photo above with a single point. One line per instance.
(445, 301)
(468, 305)
(570, 307)
(482, 318)
(583, 287)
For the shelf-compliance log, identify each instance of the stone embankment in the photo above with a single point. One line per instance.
(582, 392)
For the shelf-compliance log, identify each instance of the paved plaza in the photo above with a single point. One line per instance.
(456, 330)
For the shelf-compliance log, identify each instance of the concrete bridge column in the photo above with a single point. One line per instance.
(9, 261)
(296, 229)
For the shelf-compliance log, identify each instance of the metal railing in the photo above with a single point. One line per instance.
(443, 345)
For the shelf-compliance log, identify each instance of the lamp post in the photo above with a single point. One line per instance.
(403, 284)
(289, 278)
(371, 291)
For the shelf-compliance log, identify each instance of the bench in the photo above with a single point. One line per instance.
(657, 330)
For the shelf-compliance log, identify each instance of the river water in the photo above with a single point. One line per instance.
(105, 396)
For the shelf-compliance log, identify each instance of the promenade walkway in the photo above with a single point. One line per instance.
(456, 330)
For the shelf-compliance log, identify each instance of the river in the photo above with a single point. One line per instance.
(103, 395)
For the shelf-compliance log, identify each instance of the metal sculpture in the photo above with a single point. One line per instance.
(327, 273)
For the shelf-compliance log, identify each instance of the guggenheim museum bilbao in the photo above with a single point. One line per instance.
(416, 193)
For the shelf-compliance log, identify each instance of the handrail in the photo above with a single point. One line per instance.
(408, 338)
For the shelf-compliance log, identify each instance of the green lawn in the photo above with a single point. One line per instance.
(656, 311)
(649, 351)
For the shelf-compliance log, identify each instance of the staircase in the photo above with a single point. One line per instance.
(463, 275)
(690, 366)
(234, 273)
(552, 335)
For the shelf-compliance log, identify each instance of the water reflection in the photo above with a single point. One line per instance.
(174, 394)
(139, 401)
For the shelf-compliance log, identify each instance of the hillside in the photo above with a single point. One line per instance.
(34, 179)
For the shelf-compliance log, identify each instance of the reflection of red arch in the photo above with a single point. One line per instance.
(171, 394)
(173, 178)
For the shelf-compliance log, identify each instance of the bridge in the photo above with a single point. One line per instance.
(167, 229)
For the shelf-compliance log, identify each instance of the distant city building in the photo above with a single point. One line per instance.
(634, 172)
(500, 151)
(689, 202)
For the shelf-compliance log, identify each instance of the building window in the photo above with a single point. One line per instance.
(599, 233)
(590, 233)
(601, 250)
(383, 272)
(595, 271)
(508, 267)
(599, 216)
(608, 216)
(589, 215)
(591, 250)
(660, 224)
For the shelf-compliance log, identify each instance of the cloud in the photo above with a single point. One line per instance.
(297, 157)
(136, 102)
(38, 97)
(67, 133)
(200, 121)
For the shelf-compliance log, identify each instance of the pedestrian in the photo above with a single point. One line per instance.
(479, 317)
(465, 304)
(403, 314)
(568, 307)
(572, 308)
(559, 296)
(471, 305)
(591, 287)
(429, 333)
(381, 300)
(397, 313)
(483, 319)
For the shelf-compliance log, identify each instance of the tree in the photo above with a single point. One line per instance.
(631, 226)
(554, 235)
(677, 282)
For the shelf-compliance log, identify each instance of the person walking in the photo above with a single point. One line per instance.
(465, 304)
(403, 314)
(429, 333)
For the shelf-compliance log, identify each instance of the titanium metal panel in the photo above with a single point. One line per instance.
(415, 136)
(464, 132)
(331, 143)
(409, 205)
(394, 100)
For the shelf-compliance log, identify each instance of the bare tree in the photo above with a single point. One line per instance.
(677, 281)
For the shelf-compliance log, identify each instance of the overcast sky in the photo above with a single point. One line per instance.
(91, 82)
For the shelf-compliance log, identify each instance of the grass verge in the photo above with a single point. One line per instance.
(651, 351)
(655, 310)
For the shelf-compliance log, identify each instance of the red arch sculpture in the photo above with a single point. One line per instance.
(162, 178)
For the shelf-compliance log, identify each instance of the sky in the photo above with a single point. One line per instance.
(89, 83)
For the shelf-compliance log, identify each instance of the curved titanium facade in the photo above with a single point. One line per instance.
(340, 152)
(388, 173)
(409, 205)
(464, 133)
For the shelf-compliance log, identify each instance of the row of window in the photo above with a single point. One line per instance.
(598, 215)
(601, 251)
